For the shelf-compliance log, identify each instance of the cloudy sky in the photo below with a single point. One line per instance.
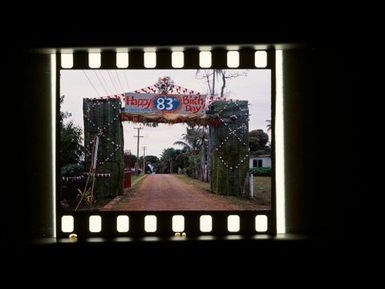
(79, 84)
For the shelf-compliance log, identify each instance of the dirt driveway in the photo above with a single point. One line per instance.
(168, 192)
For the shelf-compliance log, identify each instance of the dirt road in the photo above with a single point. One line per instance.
(168, 192)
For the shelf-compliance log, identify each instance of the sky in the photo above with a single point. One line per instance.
(75, 85)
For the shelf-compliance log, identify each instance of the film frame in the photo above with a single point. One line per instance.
(113, 224)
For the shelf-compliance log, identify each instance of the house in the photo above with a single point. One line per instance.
(260, 161)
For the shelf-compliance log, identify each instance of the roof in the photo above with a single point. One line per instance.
(260, 156)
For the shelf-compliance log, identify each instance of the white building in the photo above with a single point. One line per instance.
(260, 161)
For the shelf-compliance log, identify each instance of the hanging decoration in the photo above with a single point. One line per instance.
(164, 84)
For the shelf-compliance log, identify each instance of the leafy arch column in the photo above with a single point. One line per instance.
(229, 148)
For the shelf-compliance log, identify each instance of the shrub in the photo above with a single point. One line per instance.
(72, 170)
(69, 187)
(262, 172)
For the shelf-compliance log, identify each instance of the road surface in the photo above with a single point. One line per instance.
(168, 192)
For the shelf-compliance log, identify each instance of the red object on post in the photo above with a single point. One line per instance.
(127, 178)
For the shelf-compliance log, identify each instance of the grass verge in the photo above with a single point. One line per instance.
(194, 182)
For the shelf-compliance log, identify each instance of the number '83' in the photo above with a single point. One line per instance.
(166, 103)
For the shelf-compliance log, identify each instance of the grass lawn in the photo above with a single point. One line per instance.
(194, 182)
(262, 189)
(136, 178)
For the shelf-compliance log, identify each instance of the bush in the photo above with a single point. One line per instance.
(72, 170)
(69, 187)
(69, 191)
(262, 172)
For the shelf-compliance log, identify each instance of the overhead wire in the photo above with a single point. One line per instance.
(113, 82)
(120, 84)
(125, 77)
(107, 83)
(89, 80)
(101, 82)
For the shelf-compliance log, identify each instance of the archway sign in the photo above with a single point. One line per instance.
(166, 102)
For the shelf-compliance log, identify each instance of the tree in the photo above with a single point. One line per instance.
(71, 138)
(268, 125)
(212, 76)
(182, 159)
(71, 150)
(153, 160)
(167, 160)
(194, 139)
(129, 160)
(206, 74)
(258, 140)
(195, 147)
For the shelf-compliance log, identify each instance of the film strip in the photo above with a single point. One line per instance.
(181, 223)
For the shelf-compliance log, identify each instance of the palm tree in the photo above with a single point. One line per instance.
(166, 160)
(268, 125)
(194, 139)
(195, 142)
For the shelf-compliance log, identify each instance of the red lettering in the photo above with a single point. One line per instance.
(186, 100)
(193, 108)
(138, 102)
(133, 101)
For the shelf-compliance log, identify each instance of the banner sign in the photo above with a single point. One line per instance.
(150, 103)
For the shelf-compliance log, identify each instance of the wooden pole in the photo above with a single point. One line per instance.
(137, 148)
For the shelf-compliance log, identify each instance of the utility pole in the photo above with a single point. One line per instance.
(137, 148)
(144, 157)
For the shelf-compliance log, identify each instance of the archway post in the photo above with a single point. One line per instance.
(229, 149)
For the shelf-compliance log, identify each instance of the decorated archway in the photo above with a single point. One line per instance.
(167, 102)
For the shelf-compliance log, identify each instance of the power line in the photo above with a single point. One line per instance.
(101, 83)
(125, 78)
(113, 82)
(110, 91)
(118, 82)
(89, 80)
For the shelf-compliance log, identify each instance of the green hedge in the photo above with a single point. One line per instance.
(262, 172)
(101, 117)
(72, 170)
